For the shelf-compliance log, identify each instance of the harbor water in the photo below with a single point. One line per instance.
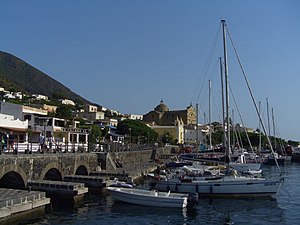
(101, 209)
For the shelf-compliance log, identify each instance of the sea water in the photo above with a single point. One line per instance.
(101, 209)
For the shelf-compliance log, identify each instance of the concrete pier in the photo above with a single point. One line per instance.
(111, 175)
(16, 204)
(94, 183)
(59, 190)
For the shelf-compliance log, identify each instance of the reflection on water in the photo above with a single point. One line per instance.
(239, 211)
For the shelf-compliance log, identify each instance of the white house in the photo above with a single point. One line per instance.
(40, 97)
(91, 108)
(21, 112)
(18, 95)
(134, 116)
(190, 135)
(67, 102)
(9, 123)
(57, 127)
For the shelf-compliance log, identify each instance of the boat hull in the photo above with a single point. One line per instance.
(251, 188)
(295, 157)
(148, 198)
(272, 162)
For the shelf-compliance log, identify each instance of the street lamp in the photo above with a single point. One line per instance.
(148, 137)
(130, 138)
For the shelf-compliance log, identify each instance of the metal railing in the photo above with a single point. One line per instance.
(68, 147)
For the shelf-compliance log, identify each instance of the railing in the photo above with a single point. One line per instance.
(31, 196)
(68, 147)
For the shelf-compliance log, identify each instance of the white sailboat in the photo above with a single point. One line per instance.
(231, 184)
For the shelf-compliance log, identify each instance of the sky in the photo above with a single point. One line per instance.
(130, 55)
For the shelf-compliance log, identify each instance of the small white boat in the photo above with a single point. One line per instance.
(148, 198)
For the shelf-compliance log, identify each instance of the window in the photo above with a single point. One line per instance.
(27, 117)
(82, 138)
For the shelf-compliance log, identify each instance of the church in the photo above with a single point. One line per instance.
(163, 116)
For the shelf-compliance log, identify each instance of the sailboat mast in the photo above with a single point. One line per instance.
(226, 94)
(274, 133)
(259, 127)
(209, 116)
(197, 130)
(223, 107)
(268, 114)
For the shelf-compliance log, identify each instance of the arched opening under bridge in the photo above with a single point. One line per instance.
(12, 180)
(53, 174)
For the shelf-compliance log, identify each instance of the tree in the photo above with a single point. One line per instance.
(136, 129)
(168, 138)
(64, 111)
(95, 134)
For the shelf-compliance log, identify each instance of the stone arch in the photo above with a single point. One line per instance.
(81, 167)
(53, 166)
(15, 169)
(81, 170)
(12, 180)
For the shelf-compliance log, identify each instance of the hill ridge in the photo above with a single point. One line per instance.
(18, 74)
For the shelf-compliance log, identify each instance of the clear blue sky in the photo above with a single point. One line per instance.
(128, 55)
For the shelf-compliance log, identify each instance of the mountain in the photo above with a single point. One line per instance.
(20, 76)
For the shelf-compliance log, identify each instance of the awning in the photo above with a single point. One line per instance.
(19, 129)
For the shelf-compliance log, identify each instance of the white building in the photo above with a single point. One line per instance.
(67, 102)
(176, 131)
(40, 97)
(92, 116)
(9, 95)
(9, 123)
(190, 135)
(18, 95)
(134, 117)
(21, 112)
(91, 108)
(62, 134)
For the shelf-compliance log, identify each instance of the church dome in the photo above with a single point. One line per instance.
(162, 107)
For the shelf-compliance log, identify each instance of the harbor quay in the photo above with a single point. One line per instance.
(28, 182)
(15, 205)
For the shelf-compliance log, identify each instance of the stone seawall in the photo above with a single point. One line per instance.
(135, 163)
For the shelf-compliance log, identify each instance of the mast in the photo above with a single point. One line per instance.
(268, 114)
(233, 130)
(223, 107)
(227, 157)
(259, 127)
(273, 120)
(197, 132)
(209, 114)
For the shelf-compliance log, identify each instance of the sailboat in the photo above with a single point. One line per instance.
(230, 184)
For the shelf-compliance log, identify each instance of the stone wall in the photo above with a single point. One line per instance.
(35, 167)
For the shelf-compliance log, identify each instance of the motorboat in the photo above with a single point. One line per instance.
(148, 197)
